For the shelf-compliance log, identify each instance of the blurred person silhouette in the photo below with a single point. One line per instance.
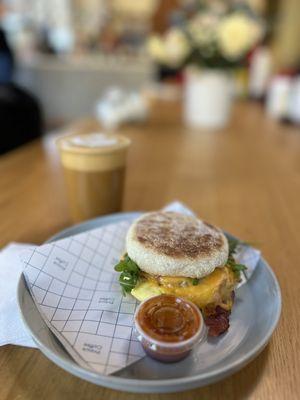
(6, 59)
(20, 113)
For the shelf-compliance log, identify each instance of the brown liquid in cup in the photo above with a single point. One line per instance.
(95, 174)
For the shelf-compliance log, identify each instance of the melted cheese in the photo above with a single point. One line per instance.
(214, 289)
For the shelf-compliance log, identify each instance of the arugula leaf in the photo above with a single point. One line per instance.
(235, 267)
(129, 274)
(239, 267)
(233, 244)
(128, 280)
(121, 266)
(132, 267)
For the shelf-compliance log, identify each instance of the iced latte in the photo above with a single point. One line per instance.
(94, 167)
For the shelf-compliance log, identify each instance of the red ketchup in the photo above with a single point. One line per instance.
(168, 327)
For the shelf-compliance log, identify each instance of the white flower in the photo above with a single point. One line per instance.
(203, 28)
(237, 34)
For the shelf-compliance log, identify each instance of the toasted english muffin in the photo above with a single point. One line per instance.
(173, 244)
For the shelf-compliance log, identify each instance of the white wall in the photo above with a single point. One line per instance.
(68, 88)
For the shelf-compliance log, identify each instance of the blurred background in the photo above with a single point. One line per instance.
(61, 60)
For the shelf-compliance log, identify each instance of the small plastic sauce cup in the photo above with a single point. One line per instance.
(169, 327)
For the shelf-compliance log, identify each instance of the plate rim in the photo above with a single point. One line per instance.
(118, 381)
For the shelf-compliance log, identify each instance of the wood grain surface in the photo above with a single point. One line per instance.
(245, 179)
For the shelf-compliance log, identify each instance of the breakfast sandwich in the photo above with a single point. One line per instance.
(172, 253)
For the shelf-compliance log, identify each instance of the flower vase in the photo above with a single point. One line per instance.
(207, 98)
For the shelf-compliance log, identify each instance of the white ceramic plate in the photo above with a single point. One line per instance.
(253, 320)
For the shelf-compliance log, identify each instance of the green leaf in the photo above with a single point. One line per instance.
(235, 267)
(195, 281)
(238, 267)
(121, 266)
(127, 281)
(129, 274)
(123, 291)
(233, 244)
(132, 266)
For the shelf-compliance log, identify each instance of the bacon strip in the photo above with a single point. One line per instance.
(218, 322)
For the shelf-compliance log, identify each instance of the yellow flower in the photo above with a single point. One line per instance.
(177, 47)
(171, 49)
(156, 49)
(237, 34)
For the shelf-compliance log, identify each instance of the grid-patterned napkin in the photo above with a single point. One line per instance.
(77, 292)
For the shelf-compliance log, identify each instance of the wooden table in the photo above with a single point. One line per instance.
(245, 179)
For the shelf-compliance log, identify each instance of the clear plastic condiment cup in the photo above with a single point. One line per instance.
(169, 351)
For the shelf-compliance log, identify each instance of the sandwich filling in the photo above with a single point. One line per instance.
(213, 294)
(209, 292)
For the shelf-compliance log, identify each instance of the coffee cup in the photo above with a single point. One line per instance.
(94, 167)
